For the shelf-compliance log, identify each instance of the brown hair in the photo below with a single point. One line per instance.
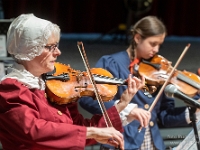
(147, 27)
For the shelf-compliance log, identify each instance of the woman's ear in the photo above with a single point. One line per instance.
(137, 38)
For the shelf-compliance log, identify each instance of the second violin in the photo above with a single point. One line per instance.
(157, 70)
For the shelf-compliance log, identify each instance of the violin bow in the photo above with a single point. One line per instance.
(99, 99)
(166, 82)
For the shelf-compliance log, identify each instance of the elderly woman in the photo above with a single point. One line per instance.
(28, 119)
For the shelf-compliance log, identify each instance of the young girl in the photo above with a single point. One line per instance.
(147, 36)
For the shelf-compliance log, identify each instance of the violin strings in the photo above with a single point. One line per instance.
(170, 75)
(100, 101)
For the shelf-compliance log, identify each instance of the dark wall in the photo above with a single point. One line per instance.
(100, 16)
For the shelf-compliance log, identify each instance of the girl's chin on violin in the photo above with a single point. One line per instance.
(148, 56)
(152, 54)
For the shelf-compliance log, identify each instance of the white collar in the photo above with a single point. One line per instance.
(18, 72)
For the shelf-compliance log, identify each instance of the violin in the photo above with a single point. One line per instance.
(157, 70)
(67, 85)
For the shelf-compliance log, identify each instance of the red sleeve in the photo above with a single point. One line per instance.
(26, 117)
(28, 121)
(96, 120)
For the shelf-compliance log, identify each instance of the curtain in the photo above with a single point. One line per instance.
(181, 17)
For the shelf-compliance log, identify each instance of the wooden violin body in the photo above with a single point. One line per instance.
(157, 70)
(67, 85)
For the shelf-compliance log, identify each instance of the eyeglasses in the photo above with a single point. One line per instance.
(52, 48)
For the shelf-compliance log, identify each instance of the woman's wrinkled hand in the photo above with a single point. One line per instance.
(107, 135)
(134, 84)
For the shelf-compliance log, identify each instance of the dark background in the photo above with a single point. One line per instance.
(100, 16)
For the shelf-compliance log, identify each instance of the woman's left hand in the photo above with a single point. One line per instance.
(134, 84)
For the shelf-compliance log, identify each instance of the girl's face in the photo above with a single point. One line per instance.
(147, 48)
(45, 62)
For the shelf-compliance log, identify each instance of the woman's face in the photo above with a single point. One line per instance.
(147, 48)
(45, 62)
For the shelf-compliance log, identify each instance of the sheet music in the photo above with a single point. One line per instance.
(189, 143)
